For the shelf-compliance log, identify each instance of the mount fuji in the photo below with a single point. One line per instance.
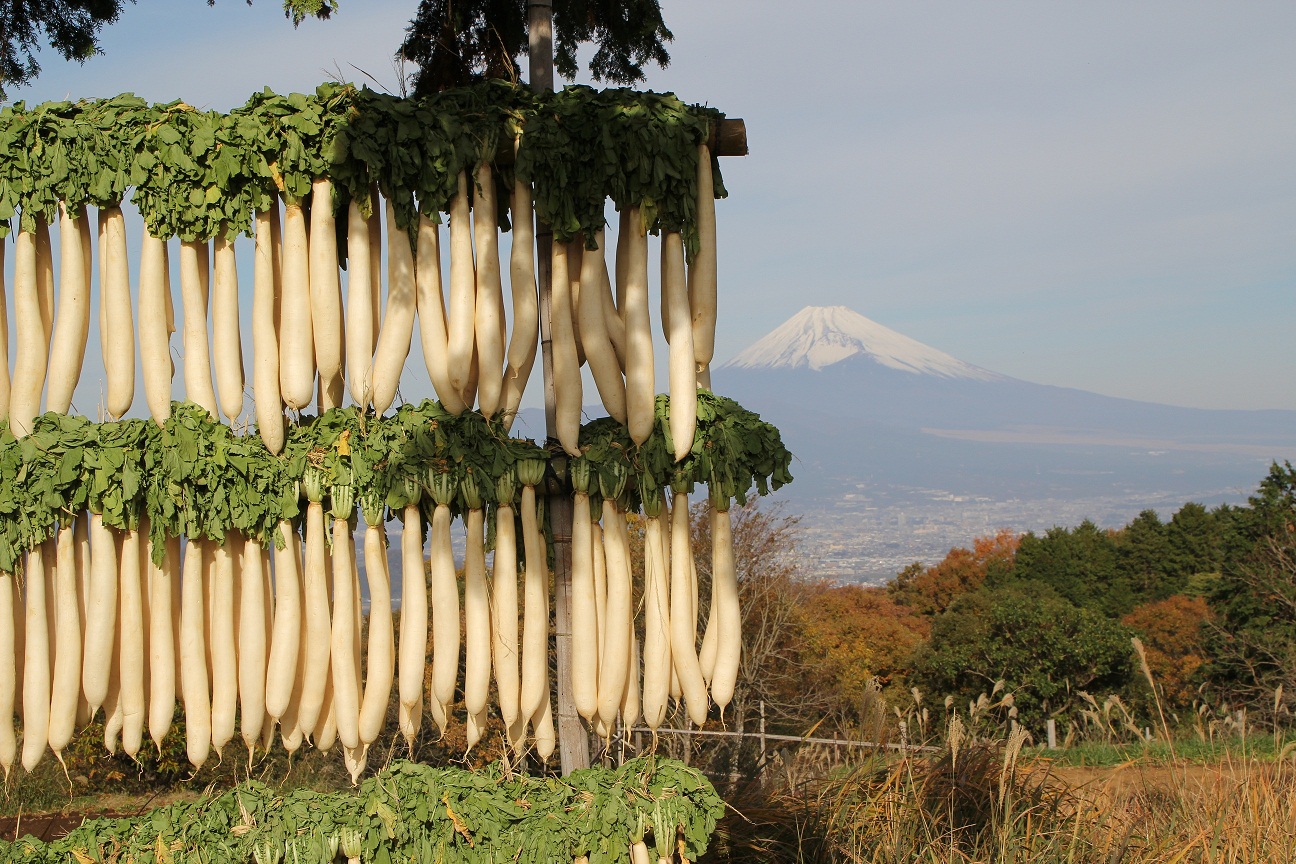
(909, 450)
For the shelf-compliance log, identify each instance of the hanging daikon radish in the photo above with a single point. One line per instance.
(342, 656)
(575, 261)
(504, 606)
(460, 325)
(326, 296)
(227, 344)
(265, 338)
(51, 613)
(285, 640)
(72, 322)
(602, 358)
(375, 257)
(45, 278)
(656, 598)
(296, 334)
(566, 370)
(64, 688)
(444, 597)
(488, 301)
(101, 613)
(640, 390)
(112, 707)
(584, 628)
(702, 280)
(290, 729)
(683, 620)
(315, 593)
(711, 633)
(359, 308)
(526, 312)
(162, 642)
(600, 572)
(683, 371)
(535, 609)
(31, 353)
(252, 643)
(431, 315)
(612, 321)
(8, 667)
(324, 736)
(546, 738)
(193, 295)
(631, 708)
(36, 661)
(398, 322)
(414, 609)
(380, 667)
(20, 633)
(477, 622)
(193, 649)
(728, 613)
(614, 664)
(115, 299)
(222, 640)
(131, 631)
(155, 326)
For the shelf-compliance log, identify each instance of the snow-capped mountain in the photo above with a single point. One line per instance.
(820, 336)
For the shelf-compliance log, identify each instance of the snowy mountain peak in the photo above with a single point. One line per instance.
(820, 336)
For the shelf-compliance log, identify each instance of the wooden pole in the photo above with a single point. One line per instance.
(573, 743)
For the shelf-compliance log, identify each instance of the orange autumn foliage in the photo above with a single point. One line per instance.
(930, 590)
(1171, 630)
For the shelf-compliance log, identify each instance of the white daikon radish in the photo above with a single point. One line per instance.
(285, 641)
(600, 575)
(45, 277)
(326, 296)
(504, 604)
(460, 326)
(315, 594)
(612, 321)
(67, 640)
(8, 669)
(115, 300)
(72, 321)
(711, 633)
(223, 641)
(566, 369)
(683, 620)
(162, 642)
(546, 738)
(489, 297)
(584, 615)
(36, 661)
(380, 668)
(630, 705)
(477, 622)
(375, 256)
(575, 261)
(251, 642)
(193, 649)
(193, 294)
(227, 343)
(702, 279)
(359, 308)
(20, 639)
(290, 729)
(602, 358)
(398, 322)
(131, 630)
(265, 336)
(342, 651)
(526, 312)
(535, 580)
(640, 390)
(296, 336)
(444, 597)
(412, 660)
(101, 613)
(155, 326)
(432, 316)
(615, 662)
(728, 613)
(113, 716)
(31, 353)
(657, 628)
(683, 371)
(324, 735)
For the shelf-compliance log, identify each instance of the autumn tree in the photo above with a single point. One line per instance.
(930, 590)
(1173, 635)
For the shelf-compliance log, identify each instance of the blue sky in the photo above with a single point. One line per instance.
(1098, 195)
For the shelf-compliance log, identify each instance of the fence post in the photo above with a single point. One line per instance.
(1051, 726)
(762, 738)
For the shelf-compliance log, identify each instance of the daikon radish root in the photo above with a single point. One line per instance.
(504, 604)
(45, 278)
(702, 277)
(444, 596)
(546, 738)
(324, 736)
(711, 631)
(8, 668)
(612, 321)
(112, 707)
(194, 280)
(566, 369)
(600, 572)
(315, 594)
(460, 325)
(355, 760)
(380, 668)
(728, 613)
(162, 642)
(398, 324)
(265, 335)
(296, 334)
(342, 656)
(193, 649)
(32, 347)
(67, 640)
(575, 261)
(584, 629)
(114, 298)
(640, 390)
(36, 661)
(488, 301)
(535, 580)
(631, 707)
(72, 321)
(155, 326)
(526, 311)
(375, 256)
(683, 371)
(414, 612)
(101, 613)
(223, 641)
(227, 344)
(359, 308)
(20, 640)
(474, 728)
(252, 643)
(290, 728)
(131, 658)
(285, 640)
(614, 664)
(683, 620)
(326, 296)
(657, 627)
(432, 315)
(602, 358)
(477, 621)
